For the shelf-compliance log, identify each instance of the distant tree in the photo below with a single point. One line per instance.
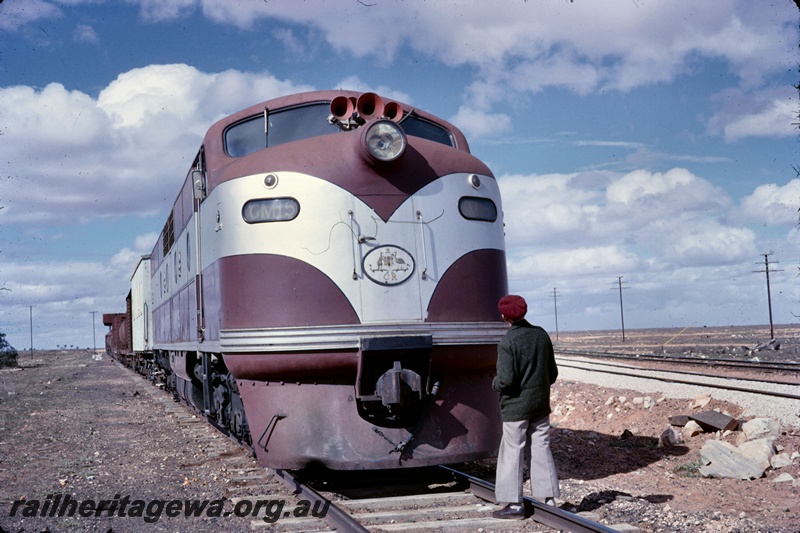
(8, 355)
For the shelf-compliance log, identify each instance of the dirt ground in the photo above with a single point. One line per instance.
(62, 434)
(75, 426)
(657, 489)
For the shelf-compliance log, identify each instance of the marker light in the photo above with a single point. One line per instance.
(475, 181)
(270, 181)
(385, 140)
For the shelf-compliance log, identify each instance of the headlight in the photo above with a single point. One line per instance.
(384, 140)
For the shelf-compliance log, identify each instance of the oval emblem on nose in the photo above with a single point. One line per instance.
(388, 265)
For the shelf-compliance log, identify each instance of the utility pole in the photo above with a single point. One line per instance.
(94, 337)
(769, 297)
(30, 308)
(555, 307)
(621, 313)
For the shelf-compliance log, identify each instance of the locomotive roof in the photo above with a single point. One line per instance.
(217, 129)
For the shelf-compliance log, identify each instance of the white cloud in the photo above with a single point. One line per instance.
(670, 235)
(69, 155)
(85, 33)
(573, 262)
(60, 295)
(520, 48)
(127, 257)
(160, 10)
(740, 114)
(774, 120)
(583, 46)
(675, 189)
(354, 83)
(774, 204)
(476, 123)
(705, 241)
(143, 94)
(639, 218)
(16, 15)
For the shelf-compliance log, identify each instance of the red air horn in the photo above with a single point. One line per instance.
(342, 107)
(369, 106)
(393, 111)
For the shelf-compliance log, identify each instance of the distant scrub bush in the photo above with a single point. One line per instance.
(8, 355)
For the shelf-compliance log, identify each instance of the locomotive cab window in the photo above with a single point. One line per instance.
(283, 126)
(417, 127)
(474, 208)
(296, 123)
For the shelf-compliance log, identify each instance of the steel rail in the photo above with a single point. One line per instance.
(336, 517)
(791, 366)
(544, 514)
(688, 373)
(684, 381)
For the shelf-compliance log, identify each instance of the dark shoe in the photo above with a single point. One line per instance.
(512, 511)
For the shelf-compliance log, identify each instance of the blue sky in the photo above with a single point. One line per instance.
(656, 141)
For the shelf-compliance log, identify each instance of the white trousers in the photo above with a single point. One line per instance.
(526, 442)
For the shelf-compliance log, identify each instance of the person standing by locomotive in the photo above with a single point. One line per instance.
(526, 368)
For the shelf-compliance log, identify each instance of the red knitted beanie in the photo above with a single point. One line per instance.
(512, 307)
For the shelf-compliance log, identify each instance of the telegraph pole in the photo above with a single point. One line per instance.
(769, 297)
(94, 337)
(30, 308)
(621, 313)
(555, 307)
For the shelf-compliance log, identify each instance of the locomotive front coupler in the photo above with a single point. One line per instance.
(391, 379)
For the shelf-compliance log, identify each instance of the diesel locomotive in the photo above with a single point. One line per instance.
(325, 287)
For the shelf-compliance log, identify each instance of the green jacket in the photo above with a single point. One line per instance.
(526, 367)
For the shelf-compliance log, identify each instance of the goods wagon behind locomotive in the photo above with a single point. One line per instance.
(325, 286)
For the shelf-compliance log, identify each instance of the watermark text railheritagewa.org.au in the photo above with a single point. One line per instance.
(151, 511)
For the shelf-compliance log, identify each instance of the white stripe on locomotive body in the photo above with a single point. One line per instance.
(321, 235)
(333, 231)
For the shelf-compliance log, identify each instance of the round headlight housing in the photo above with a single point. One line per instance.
(384, 140)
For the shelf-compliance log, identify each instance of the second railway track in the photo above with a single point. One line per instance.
(758, 394)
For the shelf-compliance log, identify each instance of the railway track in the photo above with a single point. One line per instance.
(450, 500)
(666, 373)
(438, 499)
(435, 499)
(762, 366)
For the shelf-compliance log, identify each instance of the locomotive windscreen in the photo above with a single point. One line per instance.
(302, 122)
(285, 126)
